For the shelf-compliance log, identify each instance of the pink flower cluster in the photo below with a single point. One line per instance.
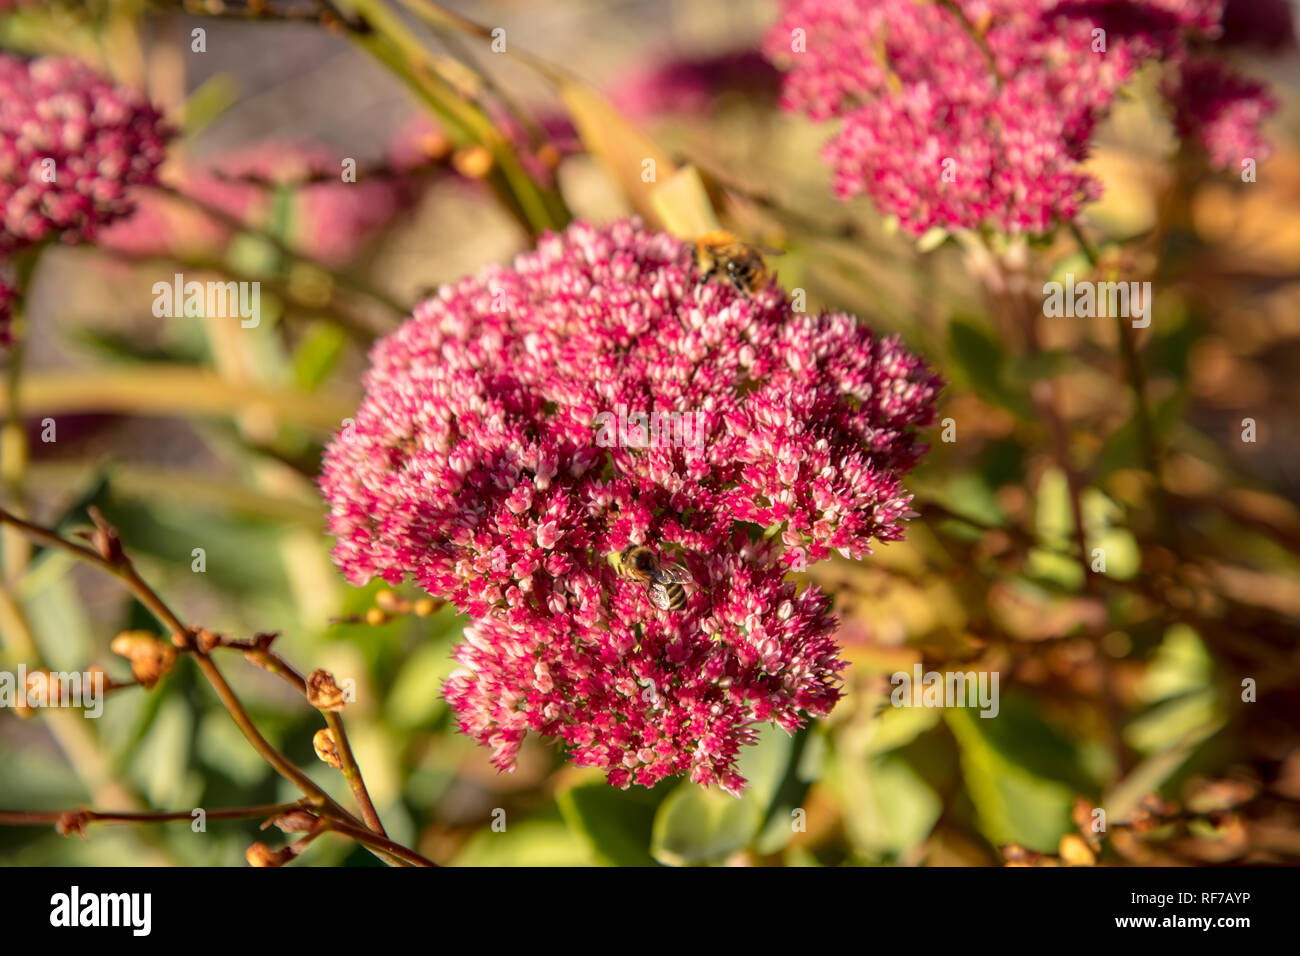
(1263, 24)
(691, 85)
(473, 467)
(1220, 110)
(71, 145)
(323, 217)
(980, 113)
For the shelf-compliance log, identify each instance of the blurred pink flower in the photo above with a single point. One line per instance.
(476, 466)
(691, 85)
(419, 142)
(71, 146)
(1264, 24)
(1221, 111)
(934, 135)
(325, 218)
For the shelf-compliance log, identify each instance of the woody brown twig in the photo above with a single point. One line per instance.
(258, 651)
(107, 555)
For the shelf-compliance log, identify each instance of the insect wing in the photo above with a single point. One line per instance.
(673, 574)
(659, 597)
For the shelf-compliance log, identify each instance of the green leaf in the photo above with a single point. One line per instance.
(1181, 665)
(416, 697)
(59, 622)
(932, 239)
(1053, 518)
(1021, 774)
(879, 770)
(535, 842)
(117, 347)
(1026, 369)
(1053, 570)
(807, 756)
(165, 750)
(318, 353)
(1123, 557)
(1123, 449)
(698, 826)
(904, 808)
(1148, 776)
(982, 362)
(971, 496)
(221, 746)
(899, 726)
(616, 824)
(206, 104)
(1179, 685)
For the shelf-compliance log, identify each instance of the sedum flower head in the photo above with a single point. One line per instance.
(1221, 111)
(71, 145)
(972, 113)
(488, 463)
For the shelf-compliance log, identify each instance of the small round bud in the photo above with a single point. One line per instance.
(548, 156)
(472, 162)
(326, 749)
(259, 854)
(435, 144)
(1075, 852)
(207, 641)
(323, 692)
(376, 616)
(74, 821)
(293, 821)
(391, 601)
(151, 657)
(105, 539)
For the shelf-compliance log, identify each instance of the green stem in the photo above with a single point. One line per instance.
(122, 569)
(45, 817)
(275, 664)
(1135, 376)
(392, 43)
(379, 844)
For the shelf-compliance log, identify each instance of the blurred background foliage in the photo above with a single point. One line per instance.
(197, 434)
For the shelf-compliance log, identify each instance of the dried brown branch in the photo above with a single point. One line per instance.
(107, 554)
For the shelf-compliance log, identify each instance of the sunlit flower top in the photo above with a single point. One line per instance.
(71, 144)
(974, 113)
(498, 460)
